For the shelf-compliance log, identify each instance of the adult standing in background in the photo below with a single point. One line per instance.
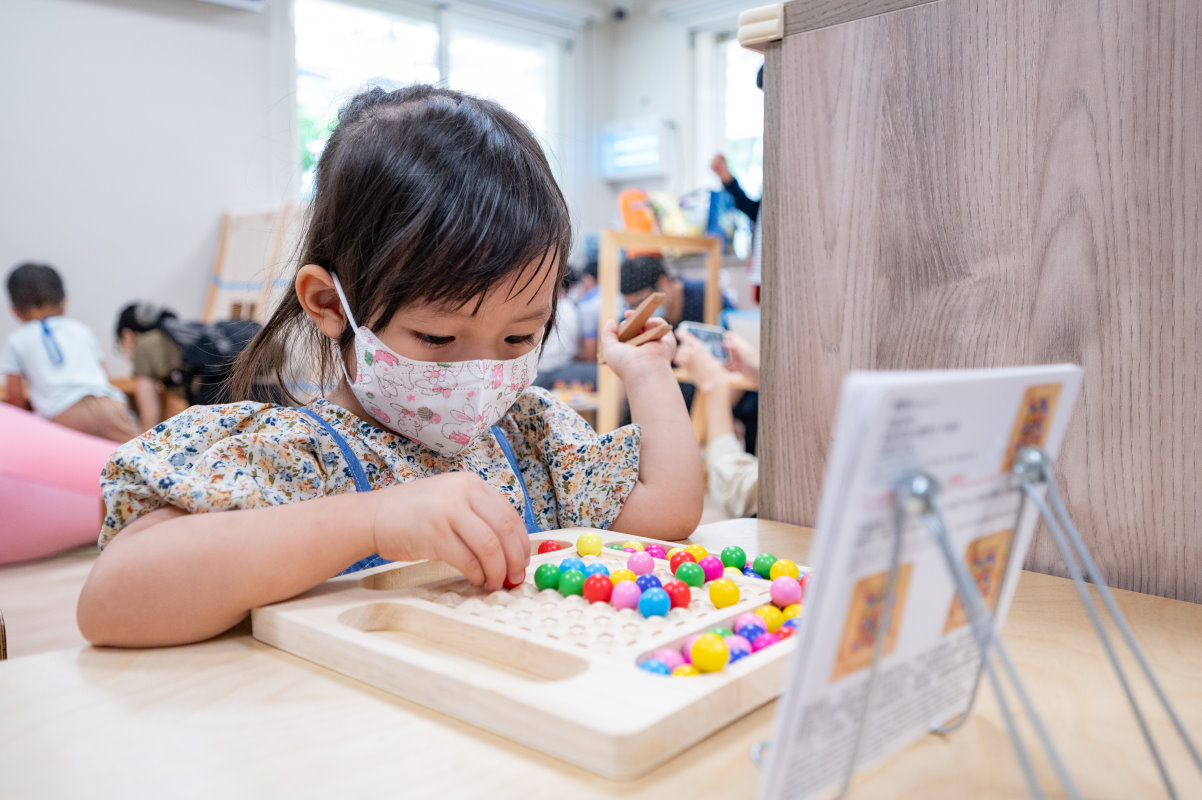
(745, 204)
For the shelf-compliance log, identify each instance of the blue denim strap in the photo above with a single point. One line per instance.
(528, 516)
(361, 484)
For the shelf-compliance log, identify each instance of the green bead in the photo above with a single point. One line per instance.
(614, 546)
(734, 557)
(763, 564)
(723, 632)
(571, 582)
(547, 577)
(690, 573)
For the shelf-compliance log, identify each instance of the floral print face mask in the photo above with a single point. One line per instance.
(445, 405)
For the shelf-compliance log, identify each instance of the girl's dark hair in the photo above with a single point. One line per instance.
(423, 194)
(34, 285)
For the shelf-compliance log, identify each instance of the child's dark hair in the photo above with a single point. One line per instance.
(423, 194)
(33, 286)
(142, 317)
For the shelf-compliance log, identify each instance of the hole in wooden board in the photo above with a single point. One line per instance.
(470, 645)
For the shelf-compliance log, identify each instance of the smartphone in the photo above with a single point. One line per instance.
(710, 335)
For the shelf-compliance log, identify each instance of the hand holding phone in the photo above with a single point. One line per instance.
(710, 335)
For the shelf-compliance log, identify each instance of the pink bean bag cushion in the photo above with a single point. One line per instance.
(49, 486)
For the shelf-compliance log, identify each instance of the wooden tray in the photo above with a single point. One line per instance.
(551, 672)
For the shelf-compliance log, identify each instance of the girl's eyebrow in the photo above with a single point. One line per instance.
(542, 313)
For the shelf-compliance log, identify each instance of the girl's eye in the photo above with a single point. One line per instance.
(527, 339)
(434, 341)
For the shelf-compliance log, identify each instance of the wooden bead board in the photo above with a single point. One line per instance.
(554, 673)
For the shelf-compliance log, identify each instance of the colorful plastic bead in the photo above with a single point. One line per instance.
(734, 557)
(767, 640)
(548, 546)
(724, 592)
(790, 623)
(596, 568)
(673, 551)
(686, 650)
(640, 563)
(783, 568)
(736, 643)
(680, 593)
(709, 653)
(697, 551)
(508, 584)
(626, 595)
(785, 591)
(546, 577)
(771, 615)
(619, 575)
(672, 658)
(656, 551)
(712, 567)
(791, 611)
(571, 563)
(648, 581)
(763, 564)
(633, 545)
(731, 572)
(723, 632)
(750, 572)
(571, 582)
(613, 546)
(598, 589)
(655, 666)
(690, 573)
(750, 632)
(588, 544)
(749, 619)
(685, 671)
(784, 632)
(678, 558)
(654, 602)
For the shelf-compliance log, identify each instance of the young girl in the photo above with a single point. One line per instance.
(428, 279)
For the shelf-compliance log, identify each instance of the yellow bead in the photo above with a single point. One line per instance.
(589, 544)
(734, 573)
(793, 611)
(685, 671)
(771, 616)
(619, 575)
(697, 552)
(724, 592)
(783, 567)
(634, 544)
(709, 653)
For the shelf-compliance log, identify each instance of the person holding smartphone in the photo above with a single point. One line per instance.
(733, 472)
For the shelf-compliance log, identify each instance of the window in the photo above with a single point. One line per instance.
(342, 47)
(743, 113)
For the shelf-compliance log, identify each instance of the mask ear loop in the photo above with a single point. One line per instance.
(346, 308)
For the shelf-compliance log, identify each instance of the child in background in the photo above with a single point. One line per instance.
(59, 359)
(426, 283)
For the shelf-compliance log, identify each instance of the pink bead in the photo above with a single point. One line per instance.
(762, 641)
(785, 591)
(736, 642)
(712, 565)
(640, 563)
(626, 595)
(629, 550)
(655, 551)
(672, 658)
(687, 648)
(749, 619)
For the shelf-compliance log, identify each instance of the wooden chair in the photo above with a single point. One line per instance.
(609, 387)
(252, 252)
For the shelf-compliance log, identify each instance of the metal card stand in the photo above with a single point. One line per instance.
(918, 494)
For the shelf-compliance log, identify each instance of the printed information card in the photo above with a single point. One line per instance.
(964, 428)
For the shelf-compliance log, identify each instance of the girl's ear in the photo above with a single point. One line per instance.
(318, 297)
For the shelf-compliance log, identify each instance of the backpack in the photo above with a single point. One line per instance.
(207, 355)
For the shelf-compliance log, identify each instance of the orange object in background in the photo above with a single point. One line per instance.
(637, 215)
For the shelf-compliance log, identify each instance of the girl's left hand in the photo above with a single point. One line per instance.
(624, 358)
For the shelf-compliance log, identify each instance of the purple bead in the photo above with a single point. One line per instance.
(712, 565)
(647, 581)
(736, 642)
(749, 619)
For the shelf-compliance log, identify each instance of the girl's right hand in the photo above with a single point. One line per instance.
(455, 517)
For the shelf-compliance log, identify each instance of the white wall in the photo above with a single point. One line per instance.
(130, 125)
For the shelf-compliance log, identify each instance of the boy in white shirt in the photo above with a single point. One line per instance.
(60, 361)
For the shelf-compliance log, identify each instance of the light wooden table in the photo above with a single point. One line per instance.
(235, 718)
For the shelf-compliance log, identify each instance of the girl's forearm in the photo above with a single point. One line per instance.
(191, 576)
(668, 500)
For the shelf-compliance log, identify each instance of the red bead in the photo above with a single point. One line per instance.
(784, 632)
(508, 584)
(680, 593)
(679, 559)
(549, 546)
(598, 589)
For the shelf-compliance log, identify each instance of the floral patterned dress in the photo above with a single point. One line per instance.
(253, 455)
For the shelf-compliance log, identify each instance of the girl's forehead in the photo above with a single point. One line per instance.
(521, 294)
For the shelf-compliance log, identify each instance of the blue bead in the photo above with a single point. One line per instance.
(596, 569)
(792, 622)
(750, 572)
(648, 581)
(735, 655)
(655, 602)
(571, 563)
(751, 632)
(656, 666)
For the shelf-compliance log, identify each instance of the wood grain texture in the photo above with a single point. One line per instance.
(969, 184)
(808, 15)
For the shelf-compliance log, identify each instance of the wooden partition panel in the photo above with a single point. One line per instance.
(972, 183)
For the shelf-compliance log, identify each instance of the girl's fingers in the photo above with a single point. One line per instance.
(452, 550)
(478, 537)
(507, 526)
